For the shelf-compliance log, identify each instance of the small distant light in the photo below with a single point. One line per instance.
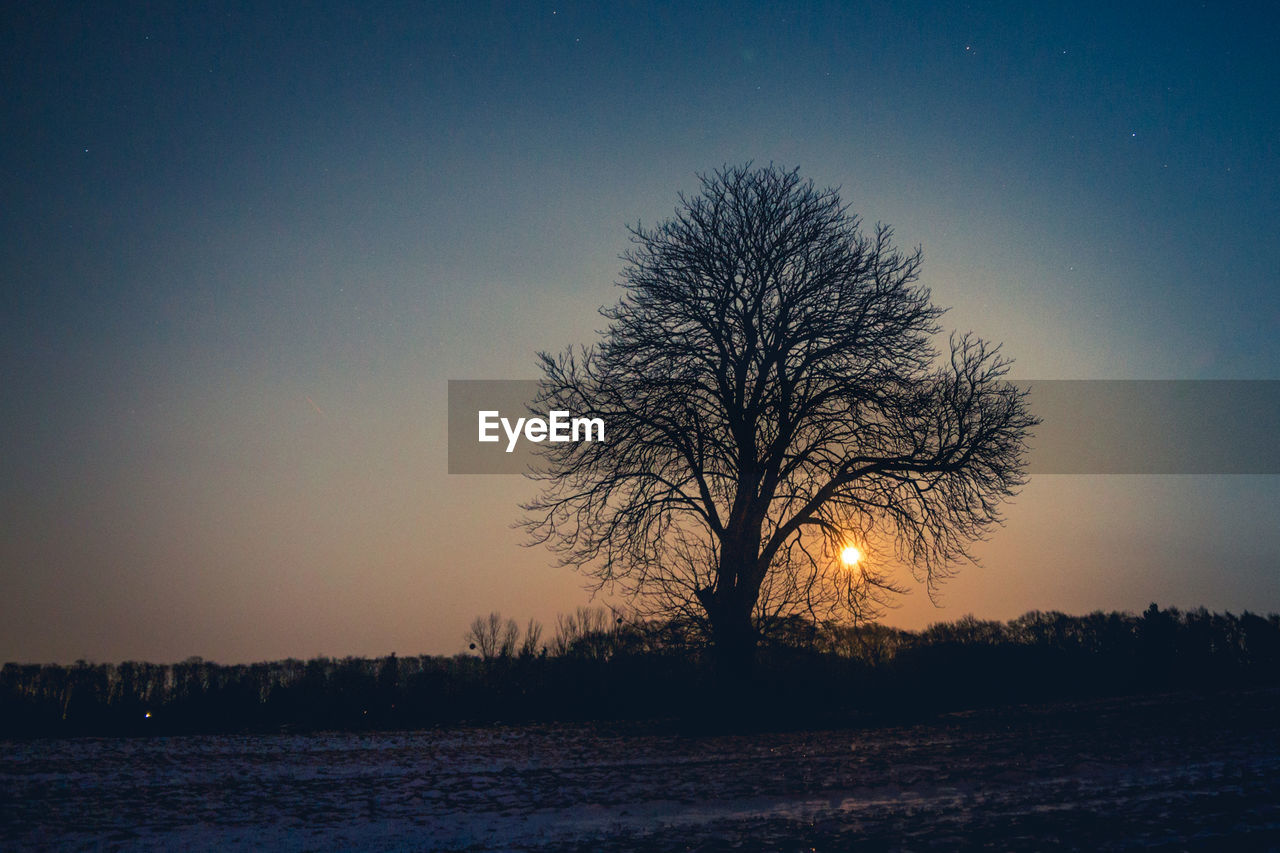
(147, 715)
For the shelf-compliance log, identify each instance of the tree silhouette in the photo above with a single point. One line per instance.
(772, 393)
(493, 637)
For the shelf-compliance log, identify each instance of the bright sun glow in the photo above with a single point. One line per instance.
(850, 555)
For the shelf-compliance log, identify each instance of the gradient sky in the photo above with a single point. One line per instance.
(246, 245)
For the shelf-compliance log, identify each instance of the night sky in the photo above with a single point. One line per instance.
(246, 245)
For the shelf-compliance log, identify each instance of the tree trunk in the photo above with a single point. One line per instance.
(733, 638)
(730, 605)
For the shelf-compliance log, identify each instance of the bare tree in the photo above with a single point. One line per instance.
(492, 637)
(532, 637)
(584, 632)
(772, 393)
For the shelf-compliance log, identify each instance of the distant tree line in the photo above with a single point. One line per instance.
(601, 665)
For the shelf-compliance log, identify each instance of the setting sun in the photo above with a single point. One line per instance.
(850, 555)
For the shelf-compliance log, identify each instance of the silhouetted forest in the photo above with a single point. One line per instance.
(600, 667)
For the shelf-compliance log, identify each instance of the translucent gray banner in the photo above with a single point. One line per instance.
(1175, 426)
(1090, 426)
(467, 399)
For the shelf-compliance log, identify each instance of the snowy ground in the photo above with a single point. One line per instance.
(1176, 772)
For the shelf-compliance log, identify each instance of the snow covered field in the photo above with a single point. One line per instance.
(1174, 771)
